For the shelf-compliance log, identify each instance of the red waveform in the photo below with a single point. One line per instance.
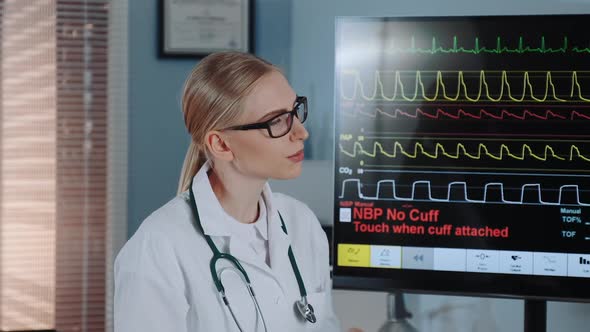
(479, 115)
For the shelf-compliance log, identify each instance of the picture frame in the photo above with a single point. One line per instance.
(199, 27)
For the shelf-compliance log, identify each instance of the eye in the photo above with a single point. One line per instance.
(275, 121)
(278, 120)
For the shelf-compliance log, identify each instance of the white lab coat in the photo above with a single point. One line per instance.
(163, 280)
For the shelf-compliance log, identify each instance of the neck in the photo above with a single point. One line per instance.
(237, 194)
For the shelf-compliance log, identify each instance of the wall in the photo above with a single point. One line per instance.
(298, 36)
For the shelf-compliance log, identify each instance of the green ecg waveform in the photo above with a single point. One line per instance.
(460, 151)
(505, 92)
(499, 48)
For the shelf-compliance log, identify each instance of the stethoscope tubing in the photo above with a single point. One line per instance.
(302, 305)
(252, 297)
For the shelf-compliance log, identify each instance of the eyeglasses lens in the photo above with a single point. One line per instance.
(282, 125)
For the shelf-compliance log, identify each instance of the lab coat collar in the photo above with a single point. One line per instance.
(278, 243)
(213, 218)
(215, 221)
(278, 240)
(261, 225)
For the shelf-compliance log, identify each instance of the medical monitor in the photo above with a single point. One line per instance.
(462, 155)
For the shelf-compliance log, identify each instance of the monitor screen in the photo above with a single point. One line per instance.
(462, 155)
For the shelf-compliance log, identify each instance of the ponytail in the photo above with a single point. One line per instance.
(194, 159)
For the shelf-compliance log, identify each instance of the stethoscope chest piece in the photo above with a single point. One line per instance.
(306, 310)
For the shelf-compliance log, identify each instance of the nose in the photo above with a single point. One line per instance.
(298, 132)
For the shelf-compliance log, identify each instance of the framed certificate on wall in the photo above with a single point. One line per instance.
(199, 27)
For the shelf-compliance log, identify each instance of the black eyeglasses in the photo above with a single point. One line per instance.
(280, 124)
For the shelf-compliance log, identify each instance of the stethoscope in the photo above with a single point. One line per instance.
(303, 307)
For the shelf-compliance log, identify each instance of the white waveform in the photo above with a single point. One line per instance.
(462, 186)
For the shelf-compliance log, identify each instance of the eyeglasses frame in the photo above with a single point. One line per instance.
(266, 124)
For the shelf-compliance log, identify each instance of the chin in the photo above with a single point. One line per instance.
(289, 173)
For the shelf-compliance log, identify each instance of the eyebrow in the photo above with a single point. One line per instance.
(271, 114)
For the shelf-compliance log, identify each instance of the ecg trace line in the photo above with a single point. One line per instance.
(461, 114)
(463, 185)
(477, 49)
(461, 87)
(482, 149)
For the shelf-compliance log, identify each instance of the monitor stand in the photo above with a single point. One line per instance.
(535, 315)
(397, 315)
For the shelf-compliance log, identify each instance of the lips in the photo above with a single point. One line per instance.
(297, 157)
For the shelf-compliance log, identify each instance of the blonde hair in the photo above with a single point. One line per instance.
(212, 98)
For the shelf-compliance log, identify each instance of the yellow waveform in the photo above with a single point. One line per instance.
(460, 150)
(505, 93)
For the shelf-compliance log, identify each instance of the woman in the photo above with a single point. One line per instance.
(245, 122)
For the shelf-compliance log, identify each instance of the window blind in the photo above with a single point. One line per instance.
(63, 151)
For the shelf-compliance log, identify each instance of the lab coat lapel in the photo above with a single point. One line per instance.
(279, 249)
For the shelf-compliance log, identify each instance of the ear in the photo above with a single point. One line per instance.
(218, 145)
